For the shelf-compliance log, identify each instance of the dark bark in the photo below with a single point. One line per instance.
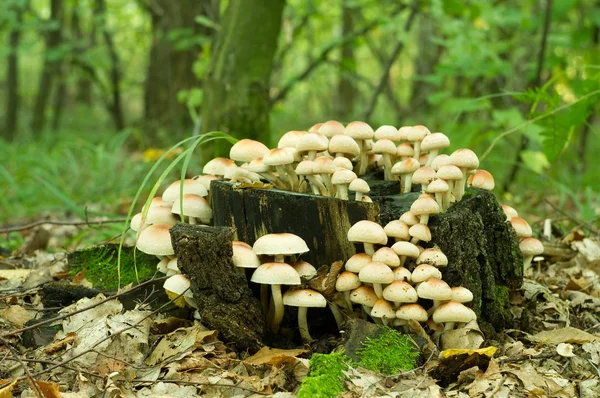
(225, 301)
(347, 67)
(84, 83)
(50, 69)
(12, 76)
(236, 87)
(116, 107)
(170, 68)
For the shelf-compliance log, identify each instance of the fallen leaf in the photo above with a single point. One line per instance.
(180, 341)
(563, 335)
(6, 392)
(16, 315)
(273, 356)
(49, 389)
(565, 350)
(487, 351)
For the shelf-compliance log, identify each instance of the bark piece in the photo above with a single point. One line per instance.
(224, 299)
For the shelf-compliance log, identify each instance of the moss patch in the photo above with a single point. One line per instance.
(326, 378)
(389, 353)
(100, 263)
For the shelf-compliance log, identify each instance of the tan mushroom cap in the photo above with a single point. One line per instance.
(312, 142)
(205, 180)
(420, 232)
(347, 281)
(342, 163)
(290, 139)
(482, 179)
(423, 175)
(367, 232)
(193, 206)
(417, 133)
(531, 247)
(400, 292)
(435, 141)
(509, 211)
(453, 312)
(156, 240)
(332, 128)
(405, 150)
(412, 312)
(461, 294)
(433, 256)
(449, 172)
(240, 243)
(403, 131)
(409, 218)
(305, 269)
(364, 295)
(247, 150)
(438, 186)
(406, 166)
(425, 204)
(376, 272)
(521, 227)
(440, 160)
(258, 166)
(406, 249)
(402, 274)
(357, 262)
(305, 167)
(343, 176)
(304, 298)
(178, 284)
(160, 215)
(218, 166)
(387, 256)
(434, 289)
(190, 185)
(423, 272)
(278, 157)
(359, 185)
(282, 243)
(344, 145)
(465, 158)
(324, 165)
(385, 146)
(397, 229)
(276, 274)
(388, 132)
(315, 128)
(359, 130)
(383, 309)
(244, 257)
(136, 222)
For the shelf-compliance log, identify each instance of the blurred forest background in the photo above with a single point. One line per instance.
(93, 91)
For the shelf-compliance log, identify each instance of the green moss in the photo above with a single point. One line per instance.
(100, 263)
(326, 378)
(389, 353)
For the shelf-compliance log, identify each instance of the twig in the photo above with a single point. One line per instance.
(199, 383)
(28, 375)
(579, 223)
(322, 57)
(522, 358)
(386, 72)
(537, 80)
(58, 318)
(46, 362)
(48, 222)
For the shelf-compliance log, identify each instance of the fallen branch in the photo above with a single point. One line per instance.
(49, 222)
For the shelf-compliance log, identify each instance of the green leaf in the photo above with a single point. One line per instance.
(205, 21)
(535, 161)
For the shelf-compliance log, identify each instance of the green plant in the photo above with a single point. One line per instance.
(326, 379)
(388, 353)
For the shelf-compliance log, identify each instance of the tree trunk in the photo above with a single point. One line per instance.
(12, 75)
(236, 87)
(116, 108)
(170, 67)
(84, 84)
(346, 88)
(50, 69)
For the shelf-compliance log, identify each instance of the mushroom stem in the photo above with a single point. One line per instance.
(369, 249)
(424, 219)
(278, 308)
(449, 326)
(192, 221)
(358, 196)
(316, 185)
(417, 148)
(283, 176)
(527, 262)
(292, 175)
(328, 184)
(342, 191)
(432, 154)
(459, 186)
(339, 319)
(407, 183)
(385, 321)
(279, 258)
(273, 180)
(436, 304)
(439, 198)
(347, 298)
(378, 289)
(303, 325)
(414, 240)
(387, 167)
(367, 309)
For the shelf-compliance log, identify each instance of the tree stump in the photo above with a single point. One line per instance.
(225, 302)
(480, 244)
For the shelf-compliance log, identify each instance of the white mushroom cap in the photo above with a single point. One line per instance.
(420, 232)
(423, 272)
(417, 133)
(290, 138)
(405, 150)
(384, 146)
(397, 229)
(357, 262)
(347, 281)
(342, 163)
(412, 312)
(189, 186)
(425, 204)
(283, 243)
(205, 180)
(312, 142)
(434, 289)
(531, 247)
(359, 185)
(461, 294)
(402, 274)
(343, 176)
(156, 240)
(437, 186)
(449, 172)
(367, 232)
(324, 165)
(278, 157)
(247, 150)
(465, 158)
(240, 243)
(409, 218)
(276, 274)
(388, 132)
(406, 249)
(383, 309)
(178, 284)
(305, 167)
(305, 269)
(359, 130)
(344, 145)
(304, 298)
(218, 166)
(315, 128)
(403, 132)
(423, 175)
(244, 257)
(434, 257)
(400, 292)
(387, 256)
(440, 160)
(406, 166)
(509, 211)
(453, 312)
(331, 128)
(160, 215)
(482, 179)
(435, 141)
(193, 206)
(376, 272)
(364, 295)
(163, 265)
(172, 264)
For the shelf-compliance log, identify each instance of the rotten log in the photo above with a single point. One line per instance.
(225, 301)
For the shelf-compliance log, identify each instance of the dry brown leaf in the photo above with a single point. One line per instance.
(563, 335)
(274, 356)
(17, 315)
(63, 343)
(6, 392)
(180, 341)
(49, 389)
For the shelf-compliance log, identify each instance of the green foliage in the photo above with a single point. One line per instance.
(326, 378)
(100, 263)
(389, 353)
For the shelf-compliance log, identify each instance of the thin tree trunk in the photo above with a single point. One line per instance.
(12, 76)
(116, 108)
(170, 69)
(346, 89)
(50, 69)
(236, 87)
(84, 84)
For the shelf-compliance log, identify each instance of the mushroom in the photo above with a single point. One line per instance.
(416, 135)
(387, 132)
(244, 257)
(432, 143)
(482, 179)
(346, 282)
(530, 247)
(331, 128)
(465, 159)
(452, 175)
(194, 207)
(423, 176)
(451, 312)
(387, 256)
(404, 151)
(246, 150)
(311, 143)
(258, 166)
(439, 161)
(280, 245)
(343, 146)
(341, 179)
(187, 186)
(383, 310)
(400, 292)
(422, 272)
(365, 296)
(368, 233)
(282, 160)
(398, 230)
(434, 289)
(409, 218)
(461, 294)
(177, 288)
(412, 311)
(290, 139)
(360, 187)
(433, 256)
(406, 249)
(439, 188)
(419, 232)
(387, 149)
(405, 169)
(304, 299)
(325, 168)
(509, 211)
(315, 128)
(361, 132)
(357, 262)
(521, 227)
(305, 269)
(378, 274)
(156, 240)
(424, 206)
(205, 180)
(276, 274)
(306, 169)
(218, 166)
(402, 274)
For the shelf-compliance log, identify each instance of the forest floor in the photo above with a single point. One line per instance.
(98, 347)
